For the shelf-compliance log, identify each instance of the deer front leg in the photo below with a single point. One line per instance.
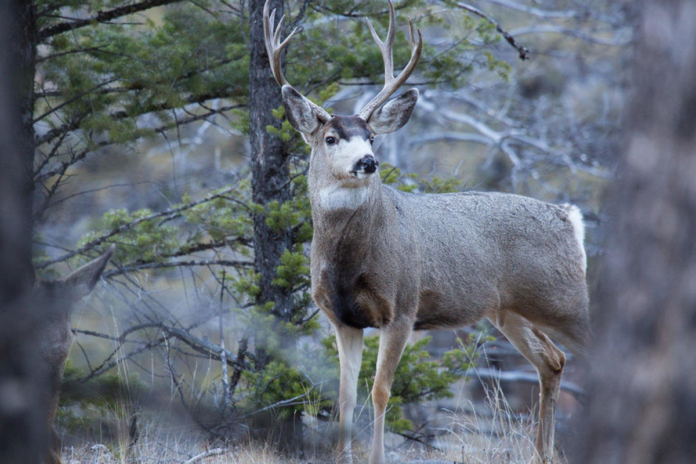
(391, 345)
(349, 341)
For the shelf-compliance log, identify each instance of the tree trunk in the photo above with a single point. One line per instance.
(269, 163)
(26, 48)
(642, 389)
(270, 182)
(23, 384)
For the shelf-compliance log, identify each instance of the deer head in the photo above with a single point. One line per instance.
(342, 155)
(56, 336)
(65, 292)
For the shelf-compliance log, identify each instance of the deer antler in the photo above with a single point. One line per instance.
(392, 84)
(274, 48)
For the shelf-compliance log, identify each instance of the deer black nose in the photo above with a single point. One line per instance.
(368, 164)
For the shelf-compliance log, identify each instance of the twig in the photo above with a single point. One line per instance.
(182, 398)
(237, 374)
(101, 17)
(522, 377)
(71, 100)
(523, 51)
(539, 12)
(418, 440)
(223, 354)
(289, 402)
(213, 452)
(210, 262)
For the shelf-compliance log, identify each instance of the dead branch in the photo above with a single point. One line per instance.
(538, 12)
(523, 51)
(101, 17)
(207, 454)
(227, 393)
(551, 29)
(521, 377)
(209, 262)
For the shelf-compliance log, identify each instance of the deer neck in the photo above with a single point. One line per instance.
(346, 215)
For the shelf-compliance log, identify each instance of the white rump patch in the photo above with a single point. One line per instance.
(338, 197)
(575, 218)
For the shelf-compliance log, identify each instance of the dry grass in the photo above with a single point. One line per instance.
(487, 434)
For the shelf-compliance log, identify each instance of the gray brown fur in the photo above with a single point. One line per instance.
(449, 260)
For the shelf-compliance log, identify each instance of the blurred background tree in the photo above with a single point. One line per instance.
(157, 127)
(642, 389)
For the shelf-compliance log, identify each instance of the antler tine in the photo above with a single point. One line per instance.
(392, 84)
(274, 49)
(386, 47)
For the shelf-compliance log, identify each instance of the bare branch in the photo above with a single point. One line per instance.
(101, 17)
(547, 14)
(551, 29)
(207, 454)
(522, 377)
(210, 262)
(63, 167)
(521, 50)
(450, 137)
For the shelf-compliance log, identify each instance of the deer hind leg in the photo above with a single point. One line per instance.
(392, 341)
(349, 342)
(548, 361)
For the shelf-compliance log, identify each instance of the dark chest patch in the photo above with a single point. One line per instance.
(348, 311)
(353, 302)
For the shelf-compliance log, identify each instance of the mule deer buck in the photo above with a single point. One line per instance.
(401, 261)
(56, 336)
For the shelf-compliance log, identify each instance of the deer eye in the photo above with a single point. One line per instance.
(372, 138)
(330, 140)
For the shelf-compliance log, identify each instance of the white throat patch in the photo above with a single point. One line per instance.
(338, 197)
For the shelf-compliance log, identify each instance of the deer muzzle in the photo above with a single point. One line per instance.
(366, 165)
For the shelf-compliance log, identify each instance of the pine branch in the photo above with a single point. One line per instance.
(131, 87)
(101, 17)
(164, 214)
(73, 99)
(120, 115)
(63, 167)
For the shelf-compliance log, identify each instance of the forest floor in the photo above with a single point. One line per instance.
(491, 435)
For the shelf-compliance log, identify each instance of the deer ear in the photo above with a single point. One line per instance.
(394, 114)
(299, 112)
(83, 280)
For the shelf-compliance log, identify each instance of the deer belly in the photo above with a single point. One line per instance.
(437, 311)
